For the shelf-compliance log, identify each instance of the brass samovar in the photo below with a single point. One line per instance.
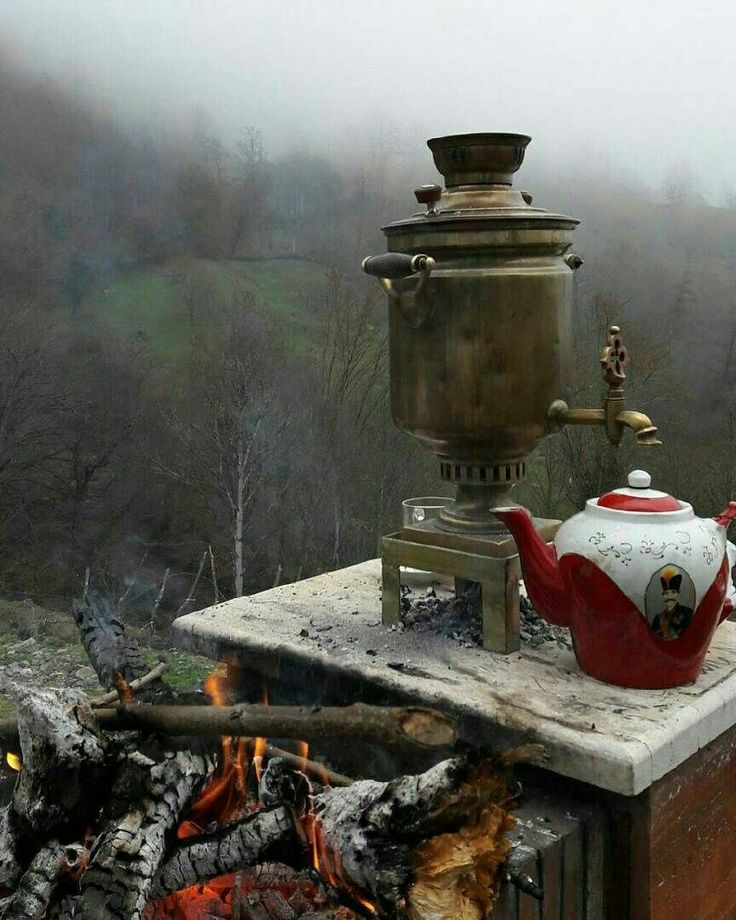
(480, 292)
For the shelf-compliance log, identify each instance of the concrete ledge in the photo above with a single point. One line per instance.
(616, 739)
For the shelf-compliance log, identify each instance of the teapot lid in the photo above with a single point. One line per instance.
(639, 496)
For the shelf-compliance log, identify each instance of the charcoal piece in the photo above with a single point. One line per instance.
(459, 617)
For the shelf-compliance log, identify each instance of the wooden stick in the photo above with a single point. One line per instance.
(310, 767)
(377, 724)
(112, 697)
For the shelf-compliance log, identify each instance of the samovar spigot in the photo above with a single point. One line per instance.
(614, 415)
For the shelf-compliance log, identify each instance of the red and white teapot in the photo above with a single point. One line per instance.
(639, 579)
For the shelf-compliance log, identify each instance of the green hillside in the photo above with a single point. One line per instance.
(165, 305)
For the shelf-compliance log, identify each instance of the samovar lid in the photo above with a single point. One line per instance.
(478, 171)
(478, 159)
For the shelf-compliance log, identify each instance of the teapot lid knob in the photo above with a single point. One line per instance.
(639, 479)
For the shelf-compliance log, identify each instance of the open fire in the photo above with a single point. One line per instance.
(145, 804)
(233, 792)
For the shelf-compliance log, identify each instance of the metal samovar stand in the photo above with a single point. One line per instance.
(489, 560)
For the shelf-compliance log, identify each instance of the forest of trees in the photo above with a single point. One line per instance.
(254, 461)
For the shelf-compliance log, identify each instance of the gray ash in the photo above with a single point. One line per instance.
(459, 617)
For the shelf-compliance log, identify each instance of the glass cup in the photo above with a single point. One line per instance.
(422, 510)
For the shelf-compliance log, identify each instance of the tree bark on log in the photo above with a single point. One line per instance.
(425, 847)
(265, 836)
(128, 853)
(378, 724)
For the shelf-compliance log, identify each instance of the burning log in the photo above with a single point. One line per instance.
(132, 777)
(425, 847)
(379, 724)
(128, 853)
(265, 836)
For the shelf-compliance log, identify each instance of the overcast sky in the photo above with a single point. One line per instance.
(641, 85)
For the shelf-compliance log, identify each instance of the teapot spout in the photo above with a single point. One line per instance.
(539, 565)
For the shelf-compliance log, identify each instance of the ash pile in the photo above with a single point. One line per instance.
(458, 617)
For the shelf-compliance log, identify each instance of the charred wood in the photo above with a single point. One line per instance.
(265, 836)
(36, 887)
(129, 851)
(63, 759)
(426, 847)
(110, 651)
(10, 869)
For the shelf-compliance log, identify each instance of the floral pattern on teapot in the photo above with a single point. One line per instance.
(635, 548)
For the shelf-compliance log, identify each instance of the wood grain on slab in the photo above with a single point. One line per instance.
(692, 870)
(617, 739)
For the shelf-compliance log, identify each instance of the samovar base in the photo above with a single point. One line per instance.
(472, 510)
(488, 560)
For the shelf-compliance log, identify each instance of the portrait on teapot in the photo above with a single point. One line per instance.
(670, 602)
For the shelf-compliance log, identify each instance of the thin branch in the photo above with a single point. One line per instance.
(190, 596)
(112, 697)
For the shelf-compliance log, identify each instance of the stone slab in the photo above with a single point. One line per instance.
(617, 739)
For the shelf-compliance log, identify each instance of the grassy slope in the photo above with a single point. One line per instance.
(151, 302)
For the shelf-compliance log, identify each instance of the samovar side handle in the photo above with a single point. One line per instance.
(414, 304)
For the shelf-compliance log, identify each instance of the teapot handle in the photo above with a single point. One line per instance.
(727, 515)
(729, 605)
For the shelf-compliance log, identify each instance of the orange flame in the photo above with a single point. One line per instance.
(14, 761)
(125, 691)
(260, 746)
(302, 750)
(225, 794)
